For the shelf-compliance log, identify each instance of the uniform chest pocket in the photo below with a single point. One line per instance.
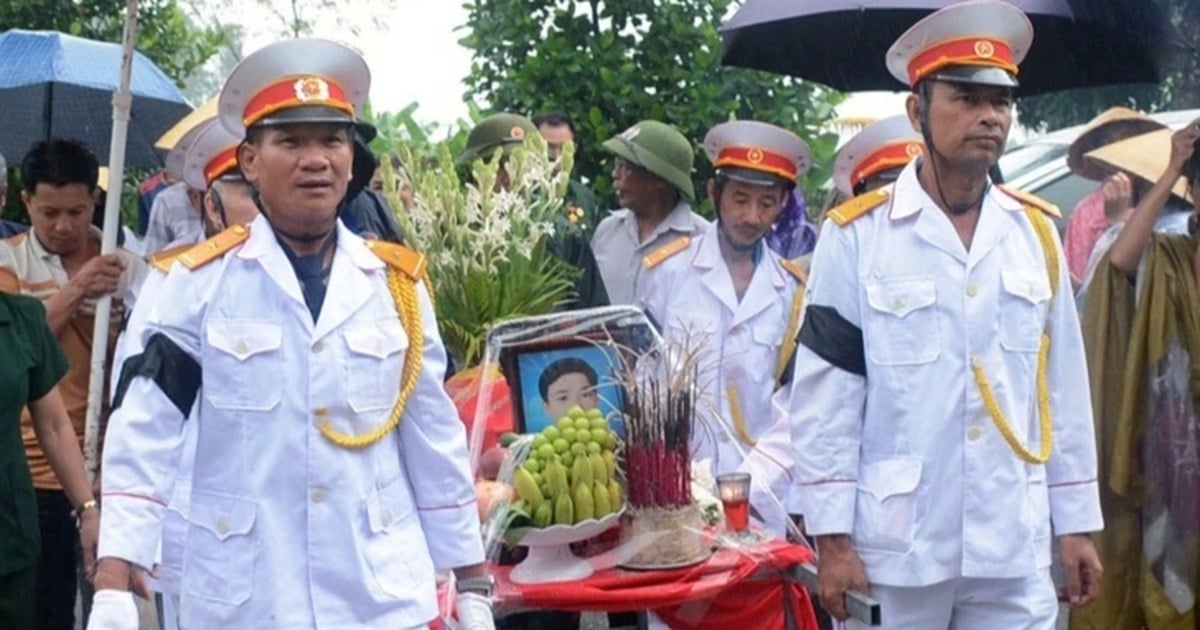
(1024, 302)
(242, 362)
(900, 325)
(374, 362)
(763, 355)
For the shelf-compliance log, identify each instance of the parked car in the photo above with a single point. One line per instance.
(1039, 166)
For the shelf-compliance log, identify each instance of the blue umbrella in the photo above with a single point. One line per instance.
(58, 85)
(842, 43)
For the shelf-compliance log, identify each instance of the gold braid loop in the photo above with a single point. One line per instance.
(787, 350)
(404, 293)
(1041, 227)
(739, 422)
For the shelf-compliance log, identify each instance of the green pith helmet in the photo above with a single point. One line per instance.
(499, 131)
(660, 149)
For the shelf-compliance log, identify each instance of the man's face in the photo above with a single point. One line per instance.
(879, 179)
(301, 171)
(556, 136)
(636, 187)
(747, 211)
(969, 123)
(570, 390)
(234, 198)
(61, 216)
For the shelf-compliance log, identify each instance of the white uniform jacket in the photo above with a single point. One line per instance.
(169, 564)
(906, 459)
(691, 295)
(286, 529)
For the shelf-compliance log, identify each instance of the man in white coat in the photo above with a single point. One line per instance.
(208, 163)
(330, 475)
(945, 427)
(728, 293)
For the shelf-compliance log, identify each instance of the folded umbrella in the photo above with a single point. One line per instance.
(842, 43)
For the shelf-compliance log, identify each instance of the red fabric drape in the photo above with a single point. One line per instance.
(731, 590)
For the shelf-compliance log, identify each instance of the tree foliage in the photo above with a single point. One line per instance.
(165, 34)
(611, 63)
(1180, 90)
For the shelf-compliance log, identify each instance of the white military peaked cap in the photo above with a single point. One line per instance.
(757, 152)
(304, 80)
(178, 153)
(981, 41)
(884, 144)
(212, 156)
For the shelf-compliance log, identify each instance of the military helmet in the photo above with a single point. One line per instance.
(660, 149)
(502, 131)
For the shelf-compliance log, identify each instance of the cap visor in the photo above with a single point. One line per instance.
(978, 75)
(753, 177)
(308, 114)
(618, 148)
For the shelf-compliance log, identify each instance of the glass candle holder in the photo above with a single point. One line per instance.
(734, 491)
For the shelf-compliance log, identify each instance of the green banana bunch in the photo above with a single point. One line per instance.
(527, 488)
(585, 507)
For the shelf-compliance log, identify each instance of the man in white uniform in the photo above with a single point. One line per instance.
(330, 475)
(945, 423)
(728, 293)
(208, 162)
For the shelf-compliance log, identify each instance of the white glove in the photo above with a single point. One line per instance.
(113, 610)
(474, 612)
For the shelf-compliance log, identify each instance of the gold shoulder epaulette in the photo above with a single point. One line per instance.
(796, 269)
(1030, 200)
(848, 211)
(408, 261)
(163, 260)
(656, 257)
(215, 247)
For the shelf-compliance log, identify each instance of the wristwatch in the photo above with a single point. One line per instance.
(83, 507)
(483, 585)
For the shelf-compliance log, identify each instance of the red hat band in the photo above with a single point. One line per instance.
(963, 51)
(889, 156)
(224, 162)
(757, 159)
(295, 92)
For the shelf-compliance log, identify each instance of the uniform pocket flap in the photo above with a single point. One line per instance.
(379, 340)
(388, 505)
(1028, 284)
(890, 477)
(901, 297)
(243, 338)
(222, 514)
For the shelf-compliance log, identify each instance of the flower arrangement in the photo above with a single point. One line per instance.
(485, 239)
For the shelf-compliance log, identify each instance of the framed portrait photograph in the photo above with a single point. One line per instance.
(547, 380)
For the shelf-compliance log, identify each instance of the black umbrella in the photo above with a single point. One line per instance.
(53, 84)
(842, 43)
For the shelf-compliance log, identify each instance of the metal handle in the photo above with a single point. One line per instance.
(862, 607)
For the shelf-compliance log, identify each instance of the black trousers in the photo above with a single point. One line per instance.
(16, 598)
(58, 576)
